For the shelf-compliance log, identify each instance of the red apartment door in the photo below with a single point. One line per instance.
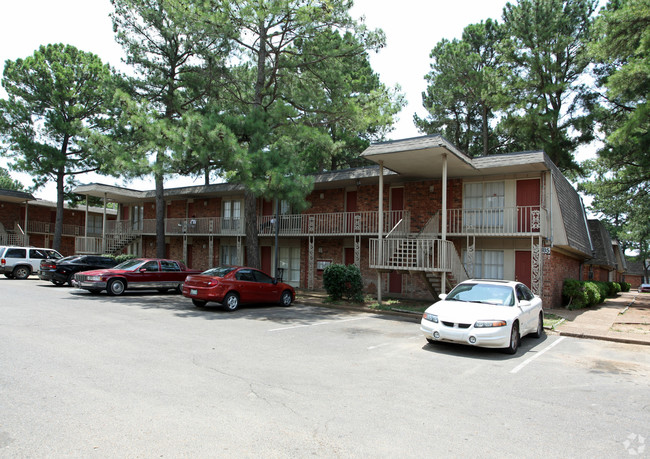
(522, 267)
(348, 256)
(350, 206)
(528, 199)
(265, 255)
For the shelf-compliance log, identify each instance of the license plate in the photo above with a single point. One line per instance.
(193, 291)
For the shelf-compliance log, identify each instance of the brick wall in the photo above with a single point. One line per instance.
(557, 267)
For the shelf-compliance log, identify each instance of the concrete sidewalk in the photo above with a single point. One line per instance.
(624, 319)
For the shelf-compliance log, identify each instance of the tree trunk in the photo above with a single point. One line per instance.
(252, 241)
(160, 215)
(60, 198)
(485, 130)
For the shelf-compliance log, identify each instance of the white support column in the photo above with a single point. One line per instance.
(86, 225)
(443, 281)
(380, 247)
(104, 227)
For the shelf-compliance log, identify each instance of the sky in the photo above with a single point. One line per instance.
(412, 28)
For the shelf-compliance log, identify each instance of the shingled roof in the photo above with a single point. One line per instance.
(602, 242)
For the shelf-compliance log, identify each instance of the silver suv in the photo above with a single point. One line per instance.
(20, 262)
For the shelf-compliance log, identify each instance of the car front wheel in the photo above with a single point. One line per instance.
(514, 339)
(116, 287)
(231, 301)
(21, 272)
(286, 298)
(540, 326)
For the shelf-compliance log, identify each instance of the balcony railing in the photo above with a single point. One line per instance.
(326, 224)
(48, 228)
(504, 221)
(412, 254)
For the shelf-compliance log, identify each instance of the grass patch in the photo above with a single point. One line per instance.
(396, 304)
(552, 320)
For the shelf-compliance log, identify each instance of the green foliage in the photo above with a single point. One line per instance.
(341, 281)
(59, 100)
(519, 85)
(121, 257)
(466, 86)
(582, 294)
(625, 286)
(7, 183)
(619, 179)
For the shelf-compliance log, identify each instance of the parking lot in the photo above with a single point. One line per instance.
(149, 375)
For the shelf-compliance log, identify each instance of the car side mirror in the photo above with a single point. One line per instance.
(442, 296)
(275, 281)
(143, 270)
(524, 303)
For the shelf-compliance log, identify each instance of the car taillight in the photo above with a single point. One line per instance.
(3, 262)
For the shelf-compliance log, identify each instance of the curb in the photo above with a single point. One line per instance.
(613, 339)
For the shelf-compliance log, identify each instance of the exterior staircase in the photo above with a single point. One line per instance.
(116, 242)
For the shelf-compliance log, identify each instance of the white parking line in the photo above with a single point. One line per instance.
(530, 359)
(316, 324)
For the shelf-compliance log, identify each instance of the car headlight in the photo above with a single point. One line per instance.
(94, 278)
(489, 323)
(430, 317)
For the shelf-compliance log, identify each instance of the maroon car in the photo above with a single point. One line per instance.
(235, 285)
(138, 273)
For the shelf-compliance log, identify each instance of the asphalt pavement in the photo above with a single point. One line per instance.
(623, 319)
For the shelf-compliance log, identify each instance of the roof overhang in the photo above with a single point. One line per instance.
(420, 157)
(15, 196)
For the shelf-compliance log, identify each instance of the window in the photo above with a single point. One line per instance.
(245, 275)
(151, 266)
(263, 278)
(38, 254)
(169, 266)
(231, 215)
(290, 264)
(16, 253)
(229, 255)
(95, 224)
(483, 204)
(488, 264)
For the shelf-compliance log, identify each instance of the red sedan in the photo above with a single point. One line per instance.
(138, 273)
(235, 285)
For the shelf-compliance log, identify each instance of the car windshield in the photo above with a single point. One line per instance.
(129, 264)
(482, 293)
(219, 271)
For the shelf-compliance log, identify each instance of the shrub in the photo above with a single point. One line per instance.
(574, 294)
(594, 293)
(625, 286)
(342, 281)
(124, 256)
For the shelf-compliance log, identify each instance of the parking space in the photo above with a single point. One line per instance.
(151, 375)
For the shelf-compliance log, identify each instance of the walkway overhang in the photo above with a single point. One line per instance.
(420, 157)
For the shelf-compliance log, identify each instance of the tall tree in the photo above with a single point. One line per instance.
(276, 86)
(170, 78)
(465, 89)
(57, 99)
(547, 52)
(619, 178)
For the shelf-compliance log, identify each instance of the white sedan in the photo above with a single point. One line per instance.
(487, 313)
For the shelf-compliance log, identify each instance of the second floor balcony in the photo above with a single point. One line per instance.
(323, 224)
(501, 221)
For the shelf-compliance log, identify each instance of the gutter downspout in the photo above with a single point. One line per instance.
(380, 242)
